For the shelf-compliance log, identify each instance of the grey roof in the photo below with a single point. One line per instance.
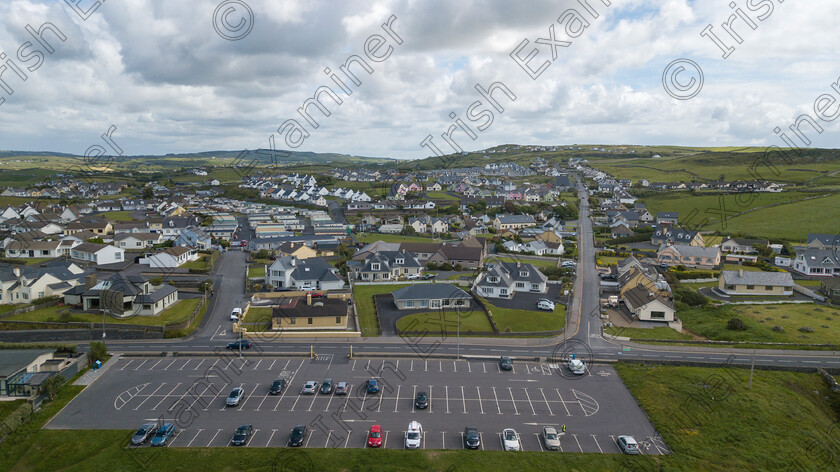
(816, 257)
(508, 273)
(667, 214)
(640, 296)
(313, 268)
(157, 295)
(693, 251)
(508, 219)
(429, 291)
(830, 240)
(58, 269)
(388, 261)
(674, 235)
(13, 360)
(747, 277)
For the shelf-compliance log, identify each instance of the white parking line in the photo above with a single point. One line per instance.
(563, 402)
(295, 404)
(454, 367)
(447, 399)
(165, 396)
(497, 400)
(185, 364)
(308, 438)
(527, 369)
(126, 364)
(533, 412)
(578, 442)
(481, 435)
(430, 399)
(141, 364)
(469, 369)
(149, 396)
(261, 403)
(596, 443)
(314, 397)
(347, 398)
(412, 366)
(249, 397)
(155, 364)
(484, 366)
(216, 396)
(385, 441)
(170, 364)
(440, 366)
(443, 439)
(349, 432)
(257, 365)
(198, 397)
(327, 442)
(513, 401)
(414, 395)
(551, 413)
(615, 441)
(214, 437)
(272, 364)
(199, 364)
(537, 435)
(480, 404)
(426, 363)
(362, 406)
(463, 399)
(273, 431)
(193, 439)
(397, 401)
(354, 365)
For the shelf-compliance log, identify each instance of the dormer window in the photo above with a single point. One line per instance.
(400, 261)
(523, 273)
(374, 266)
(493, 279)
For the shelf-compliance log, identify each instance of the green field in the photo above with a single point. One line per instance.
(517, 321)
(442, 196)
(648, 333)
(177, 313)
(256, 271)
(710, 322)
(395, 238)
(363, 297)
(8, 407)
(434, 322)
(514, 258)
(118, 216)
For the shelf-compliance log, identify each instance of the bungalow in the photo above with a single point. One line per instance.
(98, 227)
(302, 313)
(431, 297)
(817, 262)
(27, 249)
(649, 306)
(99, 254)
(620, 231)
(742, 245)
(170, 257)
(671, 235)
(689, 256)
(297, 249)
(514, 222)
(740, 282)
(824, 241)
(124, 295)
(465, 256)
(502, 279)
(194, 237)
(667, 218)
(830, 287)
(24, 284)
(137, 240)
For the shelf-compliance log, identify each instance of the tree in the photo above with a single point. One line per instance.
(52, 385)
(98, 352)
(736, 324)
(689, 297)
(148, 194)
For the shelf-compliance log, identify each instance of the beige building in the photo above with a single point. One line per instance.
(740, 282)
(689, 256)
(307, 313)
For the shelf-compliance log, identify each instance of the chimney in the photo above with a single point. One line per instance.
(309, 298)
(90, 281)
(740, 272)
(17, 271)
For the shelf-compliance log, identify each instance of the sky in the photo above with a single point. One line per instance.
(179, 77)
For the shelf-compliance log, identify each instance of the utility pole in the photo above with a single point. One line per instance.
(752, 367)
(458, 336)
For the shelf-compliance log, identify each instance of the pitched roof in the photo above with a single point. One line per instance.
(429, 291)
(748, 277)
(640, 296)
(693, 251)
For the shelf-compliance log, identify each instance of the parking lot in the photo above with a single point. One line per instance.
(191, 392)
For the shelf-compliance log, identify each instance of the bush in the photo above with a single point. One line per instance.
(64, 316)
(690, 297)
(736, 324)
(98, 352)
(778, 329)
(806, 329)
(156, 280)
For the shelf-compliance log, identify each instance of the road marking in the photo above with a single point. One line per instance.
(347, 399)
(414, 395)
(214, 437)
(527, 369)
(481, 435)
(469, 368)
(308, 438)
(367, 366)
(216, 396)
(537, 435)
(480, 404)
(529, 401)
(497, 400)
(354, 364)
(149, 396)
(551, 413)
(295, 404)
(412, 366)
(381, 400)
(261, 403)
(270, 437)
(513, 367)
(385, 441)
(199, 364)
(257, 365)
(170, 365)
(430, 400)
(484, 366)
(596, 443)
(249, 396)
(440, 366)
(327, 442)
(198, 397)
(314, 397)
(193, 439)
(454, 367)
(349, 432)
(562, 402)
(513, 401)
(426, 362)
(443, 439)
(272, 364)
(165, 396)
(288, 361)
(447, 398)
(463, 399)
(578, 442)
(140, 365)
(397, 402)
(361, 407)
(156, 363)
(332, 395)
(185, 364)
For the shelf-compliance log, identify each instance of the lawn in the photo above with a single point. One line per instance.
(534, 262)
(662, 332)
(474, 320)
(746, 268)
(708, 417)
(442, 196)
(710, 322)
(6, 408)
(508, 319)
(256, 271)
(606, 261)
(118, 216)
(177, 313)
(792, 222)
(26, 260)
(363, 297)
(200, 264)
(394, 238)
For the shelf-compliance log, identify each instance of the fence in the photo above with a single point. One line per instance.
(489, 314)
(27, 309)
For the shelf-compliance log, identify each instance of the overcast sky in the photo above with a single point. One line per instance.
(171, 82)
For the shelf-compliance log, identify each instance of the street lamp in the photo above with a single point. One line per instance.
(458, 336)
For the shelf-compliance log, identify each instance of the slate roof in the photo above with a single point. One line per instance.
(640, 296)
(157, 295)
(430, 291)
(13, 360)
(508, 274)
(746, 277)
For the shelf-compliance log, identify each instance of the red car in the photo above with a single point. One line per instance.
(316, 295)
(375, 436)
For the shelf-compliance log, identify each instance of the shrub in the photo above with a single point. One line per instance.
(736, 324)
(690, 297)
(778, 329)
(98, 352)
(806, 329)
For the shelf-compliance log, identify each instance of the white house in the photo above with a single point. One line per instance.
(313, 273)
(170, 257)
(98, 253)
(649, 306)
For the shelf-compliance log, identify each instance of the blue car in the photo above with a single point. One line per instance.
(163, 434)
(372, 386)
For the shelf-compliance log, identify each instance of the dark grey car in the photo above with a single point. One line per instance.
(143, 434)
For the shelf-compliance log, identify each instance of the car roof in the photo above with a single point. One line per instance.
(376, 427)
(414, 425)
(628, 439)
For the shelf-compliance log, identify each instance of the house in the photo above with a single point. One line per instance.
(503, 279)
(435, 187)
(313, 273)
(824, 241)
(428, 224)
(431, 297)
(18, 367)
(562, 183)
(170, 257)
(817, 262)
(639, 276)
(297, 249)
(742, 245)
(689, 256)
(671, 235)
(740, 282)
(423, 251)
(97, 226)
(649, 306)
(306, 313)
(830, 287)
(123, 295)
(195, 238)
(29, 249)
(467, 257)
(667, 218)
(514, 222)
(385, 265)
(99, 254)
(620, 231)
(26, 283)
(131, 241)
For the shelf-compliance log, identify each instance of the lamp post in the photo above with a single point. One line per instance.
(458, 336)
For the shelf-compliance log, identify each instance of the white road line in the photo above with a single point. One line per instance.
(216, 396)
(270, 437)
(414, 395)
(332, 395)
(327, 442)
(272, 364)
(199, 364)
(430, 399)
(261, 403)
(440, 366)
(249, 397)
(563, 402)
(295, 404)
(412, 366)
(513, 401)
(454, 367)
(596, 443)
(578, 442)
(141, 364)
(289, 361)
(497, 400)
(126, 364)
(354, 365)
(198, 397)
(214, 437)
(155, 364)
(193, 439)
(397, 402)
(463, 399)
(385, 441)
(312, 403)
(447, 398)
(443, 439)
(537, 435)
(149, 396)
(257, 365)
(480, 403)
(349, 432)
(484, 366)
(533, 412)
(165, 396)
(426, 363)
(551, 413)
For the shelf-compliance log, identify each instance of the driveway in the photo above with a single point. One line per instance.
(528, 301)
(389, 314)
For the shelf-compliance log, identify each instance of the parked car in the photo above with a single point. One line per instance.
(297, 435)
(375, 436)
(472, 440)
(551, 440)
(429, 276)
(510, 440)
(309, 388)
(372, 386)
(239, 344)
(505, 363)
(545, 305)
(163, 434)
(316, 295)
(414, 435)
(576, 365)
(236, 314)
(242, 435)
(234, 397)
(143, 434)
(327, 386)
(307, 288)
(412, 276)
(628, 445)
(422, 400)
(341, 388)
(277, 387)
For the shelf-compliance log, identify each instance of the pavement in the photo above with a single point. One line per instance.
(389, 314)
(92, 375)
(529, 300)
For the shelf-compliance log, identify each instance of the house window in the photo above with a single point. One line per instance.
(493, 279)
(423, 303)
(374, 266)
(292, 321)
(409, 304)
(520, 284)
(337, 320)
(768, 287)
(730, 287)
(523, 274)
(503, 291)
(40, 294)
(658, 315)
(400, 261)
(309, 321)
(750, 287)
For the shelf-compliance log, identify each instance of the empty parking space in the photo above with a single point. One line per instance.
(192, 393)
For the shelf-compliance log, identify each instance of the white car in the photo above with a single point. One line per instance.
(236, 314)
(576, 365)
(510, 440)
(414, 435)
(545, 305)
(412, 276)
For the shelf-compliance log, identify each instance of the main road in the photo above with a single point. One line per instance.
(582, 331)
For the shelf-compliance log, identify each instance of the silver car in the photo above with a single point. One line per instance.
(551, 440)
(310, 387)
(628, 445)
